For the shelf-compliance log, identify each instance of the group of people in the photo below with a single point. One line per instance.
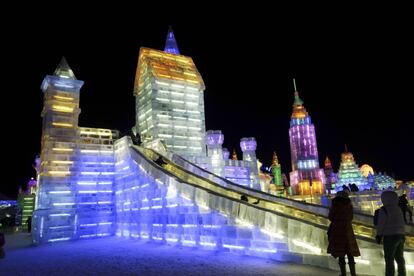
(390, 226)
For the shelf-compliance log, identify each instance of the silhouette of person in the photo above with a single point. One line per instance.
(405, 207)
(390, 228)
(341, 236)
(29, 224)
(160, 161)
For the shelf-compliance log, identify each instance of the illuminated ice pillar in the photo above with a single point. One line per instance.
(56, 196)
(169, 100)
(214, 142)
(277, 175)
(248, 147)
(226, 154)
(306, 177)
(329, 175)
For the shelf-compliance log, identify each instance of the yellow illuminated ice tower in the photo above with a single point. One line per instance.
(169, 100)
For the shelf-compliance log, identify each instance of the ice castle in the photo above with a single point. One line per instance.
(92, 183)
(170, 108)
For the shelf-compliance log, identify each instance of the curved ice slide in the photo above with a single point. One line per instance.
(180, 203)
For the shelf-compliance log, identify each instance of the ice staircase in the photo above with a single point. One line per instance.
(181, 204)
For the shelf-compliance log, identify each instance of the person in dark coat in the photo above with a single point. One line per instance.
(341, 235)
(160, 161)
(29, 224)
(405, 208)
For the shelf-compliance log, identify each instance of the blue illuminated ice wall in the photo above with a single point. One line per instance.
(153, 205)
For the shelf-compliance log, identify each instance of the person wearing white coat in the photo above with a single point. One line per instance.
(390, 229)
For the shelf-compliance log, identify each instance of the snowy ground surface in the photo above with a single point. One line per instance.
(116, 256)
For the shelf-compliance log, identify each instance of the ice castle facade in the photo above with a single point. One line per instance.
(92, 183)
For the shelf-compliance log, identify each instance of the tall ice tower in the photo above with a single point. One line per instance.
(169, 100)
(306, 177)
(75, 198)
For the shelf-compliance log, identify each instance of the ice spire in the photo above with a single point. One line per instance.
(328, 164)
(275, 160)
(297, 101)
(234, 155)
(63, 70)
(171, 44)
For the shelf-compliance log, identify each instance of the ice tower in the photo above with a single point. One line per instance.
(214, 142)
(306, 177)
(277, 175)
(329, 175)
(349, 173)
(75, 197)
(169, 100)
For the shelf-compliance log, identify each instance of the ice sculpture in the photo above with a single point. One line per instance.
(75, 197)
(169, 101)
(171, 44)
(214, 142)
(330, 175)
(92, 184)
(277, 185)
(383, 181)
(306, 177)
(349, 173)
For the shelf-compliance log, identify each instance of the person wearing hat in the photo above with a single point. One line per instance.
(341, 235)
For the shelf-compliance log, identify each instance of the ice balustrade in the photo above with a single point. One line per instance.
(363, 223)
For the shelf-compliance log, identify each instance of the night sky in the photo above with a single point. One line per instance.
(353, 68)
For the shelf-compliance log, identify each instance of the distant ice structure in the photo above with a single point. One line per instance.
(306, 177)
(383, 181)
(349, 173)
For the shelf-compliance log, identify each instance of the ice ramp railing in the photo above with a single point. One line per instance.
(303, 231)
(313, 213)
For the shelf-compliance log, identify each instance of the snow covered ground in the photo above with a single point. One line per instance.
(117, 256)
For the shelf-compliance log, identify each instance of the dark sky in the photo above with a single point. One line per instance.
(353, 66)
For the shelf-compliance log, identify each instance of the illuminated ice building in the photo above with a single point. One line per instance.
(349, 173)
(170, 112)
(178, 187)
(75, 196)
(306, 177)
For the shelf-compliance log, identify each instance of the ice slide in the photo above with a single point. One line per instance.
(182, 204)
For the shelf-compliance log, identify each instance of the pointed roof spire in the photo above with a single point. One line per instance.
(328, 163)
(63, 70)
(234, 155)
(171, 44)
(275, 161)
(297, 101)
(346, 148)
